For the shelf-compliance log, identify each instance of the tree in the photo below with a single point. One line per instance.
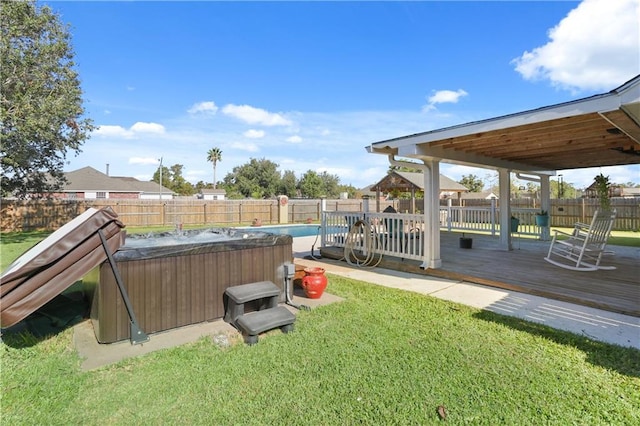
(41, 107)
(351, 190)
(311, 185)
(472, 182)
(178, 183)
(404, 169)
(172, 178)
(202, 185)
(255, 179)
(330, 185)
(289, 184)
(214, 155)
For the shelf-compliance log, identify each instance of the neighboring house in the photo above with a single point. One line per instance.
(212, 194)
(89, 183)
(366, 191)
(630, 192)
(614, 191)
(149, 190)
(482, 195)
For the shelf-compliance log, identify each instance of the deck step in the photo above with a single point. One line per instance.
(264, 294)
(248, 292)
(254, 323)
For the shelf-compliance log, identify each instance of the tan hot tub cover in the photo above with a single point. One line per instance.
(52, 265)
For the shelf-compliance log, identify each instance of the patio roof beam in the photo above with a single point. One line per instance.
(424, 151)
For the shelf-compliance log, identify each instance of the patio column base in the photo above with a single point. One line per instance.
(433, 264)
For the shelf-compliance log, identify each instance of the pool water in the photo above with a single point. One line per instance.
(293, 230)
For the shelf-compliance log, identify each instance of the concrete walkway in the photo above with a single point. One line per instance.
(593, 323)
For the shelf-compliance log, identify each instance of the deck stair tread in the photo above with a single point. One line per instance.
(258, 322)
(249, 292)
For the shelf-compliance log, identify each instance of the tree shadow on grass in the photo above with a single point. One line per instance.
(624, 360)
(20, 237)
(62, 312)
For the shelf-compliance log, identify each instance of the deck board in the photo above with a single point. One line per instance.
(524, 269)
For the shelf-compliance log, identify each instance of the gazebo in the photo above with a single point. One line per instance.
(600, 130)
(413, 182)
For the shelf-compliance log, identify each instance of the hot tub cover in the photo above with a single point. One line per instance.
(55, 263)
(195, 241)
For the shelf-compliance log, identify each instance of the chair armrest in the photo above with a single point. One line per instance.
(563, 233)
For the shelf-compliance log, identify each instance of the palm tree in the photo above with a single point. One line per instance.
(214, 155)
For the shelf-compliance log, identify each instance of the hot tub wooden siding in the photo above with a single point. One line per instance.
(175, 291)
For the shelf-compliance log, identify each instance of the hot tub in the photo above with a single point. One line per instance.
(175, 279)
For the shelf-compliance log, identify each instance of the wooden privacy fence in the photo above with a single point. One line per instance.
(51, 214)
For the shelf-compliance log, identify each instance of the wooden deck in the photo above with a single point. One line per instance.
(525, 270)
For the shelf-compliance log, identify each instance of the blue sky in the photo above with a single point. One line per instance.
(309, 85)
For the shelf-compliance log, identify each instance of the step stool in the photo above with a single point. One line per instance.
(265, 293)
(254, 323)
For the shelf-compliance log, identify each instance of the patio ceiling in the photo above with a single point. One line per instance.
(601, 130)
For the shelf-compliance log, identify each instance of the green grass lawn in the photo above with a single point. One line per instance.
(383, 356)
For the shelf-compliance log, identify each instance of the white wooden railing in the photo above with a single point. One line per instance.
(486, 219)
(401, 235)
(390, 234)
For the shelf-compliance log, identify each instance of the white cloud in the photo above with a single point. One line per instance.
(109, 131)
(144, 160)
(206, 107)
(141, 127)
(243, 146)
(294, 139)
(444, 97)
(254, 115)
(595, 47)
(254, 134)
(112, 131)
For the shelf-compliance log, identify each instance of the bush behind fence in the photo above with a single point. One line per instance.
(51, 214)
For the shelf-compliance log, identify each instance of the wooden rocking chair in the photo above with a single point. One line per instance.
(583, 249)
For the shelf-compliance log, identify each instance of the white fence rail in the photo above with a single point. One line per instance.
(401, 235)
(487, 219)
(390, 234)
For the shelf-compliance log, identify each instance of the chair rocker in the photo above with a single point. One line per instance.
(583, 249)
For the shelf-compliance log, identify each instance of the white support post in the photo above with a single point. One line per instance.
(432, 215)
(505, 209)
(365, 204)
(323, 222)
(545, 204)
(493, 217)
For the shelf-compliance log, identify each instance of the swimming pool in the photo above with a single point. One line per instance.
(293, 230)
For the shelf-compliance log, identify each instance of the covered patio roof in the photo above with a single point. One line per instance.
(601, 130)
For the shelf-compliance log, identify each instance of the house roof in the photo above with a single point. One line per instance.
(482, 195)
(410, 180)
(90, 179)
(213, 191)
(601, 130)
(144, 186)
